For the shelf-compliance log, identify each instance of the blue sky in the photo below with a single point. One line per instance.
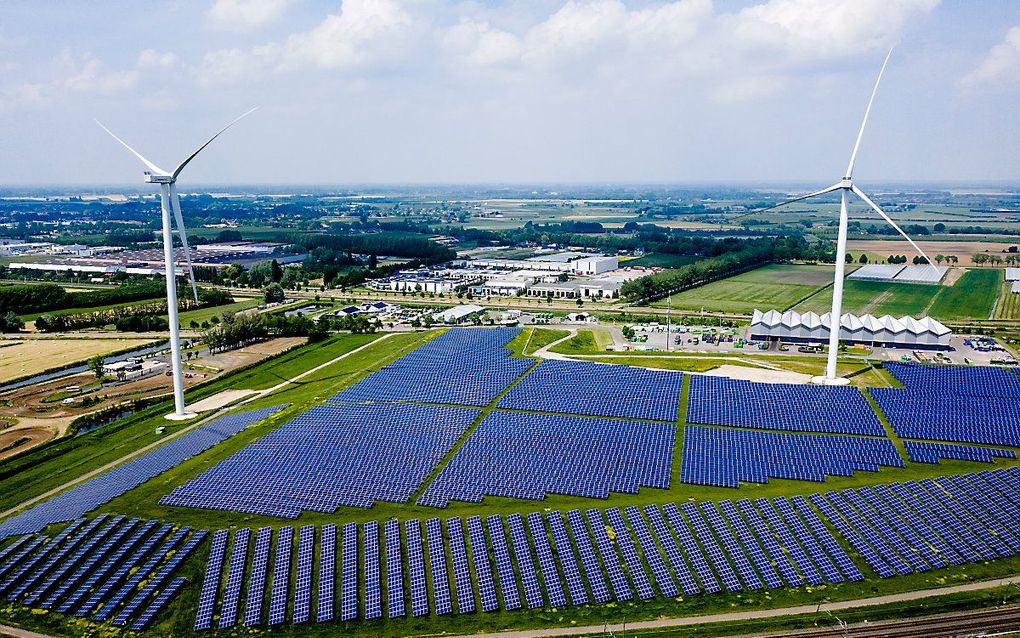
(398, 91)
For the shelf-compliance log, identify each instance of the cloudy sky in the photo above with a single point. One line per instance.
(467, 91)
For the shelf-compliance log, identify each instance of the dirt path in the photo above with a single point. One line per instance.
(749, 615)
(184, 430)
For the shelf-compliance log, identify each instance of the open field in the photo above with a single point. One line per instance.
(660, 260)
(1007, 306)
(205, 314)
(971, 297)
(773, 287)
(963, 249)
(33, 356)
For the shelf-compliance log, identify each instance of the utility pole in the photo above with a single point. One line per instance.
(669, 308)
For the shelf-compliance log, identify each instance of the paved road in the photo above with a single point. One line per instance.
(260, 394)
(750, 615)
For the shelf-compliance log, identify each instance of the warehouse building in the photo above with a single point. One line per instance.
(887, 331)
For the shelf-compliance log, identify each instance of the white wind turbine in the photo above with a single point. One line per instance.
(845, 186)
(169, 201)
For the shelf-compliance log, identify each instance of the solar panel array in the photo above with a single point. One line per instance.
(330, 456)
(725, 458)
(461, 367)
(106, 568)
(968, 404)
(103, 488)
(779, 406)
(530, 455)
(927, 452)
(580, 387)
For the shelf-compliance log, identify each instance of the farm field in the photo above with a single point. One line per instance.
(205, 314)
(660, 260)
(960, 248)
(1008, 304)
(33, 356)
(971, 297)
(772, 287)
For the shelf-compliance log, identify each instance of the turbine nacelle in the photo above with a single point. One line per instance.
(847, 183)
(158, 179)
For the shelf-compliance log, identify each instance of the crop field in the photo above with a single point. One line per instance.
(1007, 306)
(205, 314)
(33, 356)
(959, 248)
(39, 471)
(772, 287)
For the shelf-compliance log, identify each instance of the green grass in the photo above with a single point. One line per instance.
(205, 314)
(772, 287)
(75, 311)
(532, 339)
(661, 260)
(971, 297)
(1008, 304)
(585, 342)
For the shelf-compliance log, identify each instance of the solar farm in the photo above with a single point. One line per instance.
(455, 486)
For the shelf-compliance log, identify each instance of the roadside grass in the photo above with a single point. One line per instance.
(533, 339)
(585, 342)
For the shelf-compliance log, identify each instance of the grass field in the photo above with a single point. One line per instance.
(661, 260)
(772, 287)
(1007, 306)
(33, 356)
(972, 297)
(205, 314)
(35, 471)
(585, 342)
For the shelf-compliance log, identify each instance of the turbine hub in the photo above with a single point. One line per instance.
(158, 179)
(846, 182)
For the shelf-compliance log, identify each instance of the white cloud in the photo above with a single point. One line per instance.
(245, 15)
(481, 45)
(1002, 64)
(152, 59)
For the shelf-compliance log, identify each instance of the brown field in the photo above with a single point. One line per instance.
(32, 356)
(961, 249)
(36, 435)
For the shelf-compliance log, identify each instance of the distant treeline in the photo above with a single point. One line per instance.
(29, 298)
(139, 318)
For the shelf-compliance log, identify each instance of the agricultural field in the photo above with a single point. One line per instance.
(963, 249)
(27, 357)
(660, 260)
(772, 287)
(205, 314)
(1007, 306)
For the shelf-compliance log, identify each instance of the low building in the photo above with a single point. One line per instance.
(556, 290)
(457, 314)
(887, 331)
(601, 288)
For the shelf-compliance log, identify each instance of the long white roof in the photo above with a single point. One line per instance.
(793, 319)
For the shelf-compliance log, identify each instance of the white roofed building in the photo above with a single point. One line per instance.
(888, 331)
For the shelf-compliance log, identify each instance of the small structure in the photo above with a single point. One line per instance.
(887, 331)
(457, 314)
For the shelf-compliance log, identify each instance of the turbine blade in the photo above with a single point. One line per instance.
(175, 204)
(828, 189)
(867, 111)
(867, 200)
(152, 167)
(177, 171)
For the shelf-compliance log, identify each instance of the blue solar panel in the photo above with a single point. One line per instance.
(676, 559)
(546, 563)
(158, 604)
(394, 570)
(936, 551)
(725, 458)
(927, 452)
(599, 531)
(483, 569)
(16, 579)
(281, 576)
(788, 542)
(567, 560)
(349, 573)
(370, 568)
(303, 577)
(526, 456)
(581, 387)
(663, 577)
(99, 490)
(463, 366)
(749, 577)
(984, 510)
(883, 533)
(848, 528)
(211, 582)
(775, 552)
(461, 573)
(108, 584)
(814, 408)
(833, 549)
(327, 574)
(93, 564)
(416, 569)
(72, 556)
(626, 546)
(750, 545)
(254, 601)
(235, 576)
(438, 570)
(592, 570)
(917, 551)
(935, 496)
(949, 528)
(525, 562)
(156, 582)
(504, 568)
(704, 534)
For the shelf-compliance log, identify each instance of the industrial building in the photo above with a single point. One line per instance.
(887, 331)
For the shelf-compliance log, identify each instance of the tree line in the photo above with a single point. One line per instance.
(31, 298)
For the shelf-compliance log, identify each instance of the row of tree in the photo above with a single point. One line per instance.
(31, 298)
(1011, 259)
(244, 328)
(139, 318)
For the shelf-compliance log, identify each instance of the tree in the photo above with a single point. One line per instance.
(863, 259)
(849, 258)
(11, 322)
(940, 227)
(939, 259)
(273, 293)
(96, 364)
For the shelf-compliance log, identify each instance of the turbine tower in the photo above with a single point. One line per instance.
(845, 187)
(170, 202)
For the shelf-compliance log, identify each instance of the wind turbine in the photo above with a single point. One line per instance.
(845, 187)
(170, 202)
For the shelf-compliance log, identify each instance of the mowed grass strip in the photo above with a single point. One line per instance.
(585, 342)
(772, 287)
(875, 298)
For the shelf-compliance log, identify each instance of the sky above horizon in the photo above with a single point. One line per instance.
(510, 91)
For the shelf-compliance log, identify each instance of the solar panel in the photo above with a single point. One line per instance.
(936, 497)
(882, 536)
(567, 560)
(235, 578)
(621, 590)
(438, 570)
(775, 552)
(254, 600)
(663, 577)
(626, 546)
(156, 582)
(789, 542)
(158, 604)
(461, 574)
(303, 577)
(850, 533)
(19, 579)
(94, 563)
(749, 577)
(108, 584)
(73, 556)
(483, 569)
(833, 549)
(525, 562)
(750, 545)
(416, 569)
(370, 567)
(546, 563)
(704, 534)
(394, 570)
(592, 570)
(962, 541)
(281, 576)
(327, 574)
(505, 570)
(211, 582)
(349, 573)
(676, 559)
(904, 526)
